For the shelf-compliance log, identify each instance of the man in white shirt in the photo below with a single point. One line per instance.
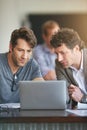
(71, 63)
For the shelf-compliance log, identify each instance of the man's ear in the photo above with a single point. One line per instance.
(77, 47)
(10, 47)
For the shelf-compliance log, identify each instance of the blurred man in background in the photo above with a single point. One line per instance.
(44, 53)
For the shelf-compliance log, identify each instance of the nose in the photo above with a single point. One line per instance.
(24, 55)
(60, 57)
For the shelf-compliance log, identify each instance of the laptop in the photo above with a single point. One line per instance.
(42, 94)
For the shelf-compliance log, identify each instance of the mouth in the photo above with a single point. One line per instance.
(22, 61)
(64, 64)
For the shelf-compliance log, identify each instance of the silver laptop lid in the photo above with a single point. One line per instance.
(42, 94)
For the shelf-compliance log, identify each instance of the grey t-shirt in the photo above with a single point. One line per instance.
(8, 80)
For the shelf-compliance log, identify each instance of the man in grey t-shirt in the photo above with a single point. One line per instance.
(17, 64)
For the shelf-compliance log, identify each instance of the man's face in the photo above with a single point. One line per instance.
(49, 35)
(65, 55)
(21, 53)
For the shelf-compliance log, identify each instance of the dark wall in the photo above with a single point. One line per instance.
(75, 21)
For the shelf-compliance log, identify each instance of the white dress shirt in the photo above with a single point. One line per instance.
(79, 77)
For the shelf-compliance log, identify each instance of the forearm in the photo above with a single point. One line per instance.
(51, 75)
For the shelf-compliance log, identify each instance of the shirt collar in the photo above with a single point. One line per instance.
(81, 67)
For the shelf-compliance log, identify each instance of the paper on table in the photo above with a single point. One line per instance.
(78, 112)
(81, 106)
(10, 105)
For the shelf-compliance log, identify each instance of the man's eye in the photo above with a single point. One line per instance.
(29, 51)
(20, 50)
(62, 53)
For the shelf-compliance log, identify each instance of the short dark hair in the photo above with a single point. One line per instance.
(25, 34)
(66, 36)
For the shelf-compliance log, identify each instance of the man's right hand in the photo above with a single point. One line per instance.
(75, 93)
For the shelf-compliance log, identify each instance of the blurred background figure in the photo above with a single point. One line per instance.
(44, 53)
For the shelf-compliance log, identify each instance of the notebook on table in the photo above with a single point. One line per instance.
(42, 94)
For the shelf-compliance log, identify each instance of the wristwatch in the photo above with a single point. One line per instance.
(84, 99)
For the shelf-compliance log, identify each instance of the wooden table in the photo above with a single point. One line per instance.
(42, 120)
